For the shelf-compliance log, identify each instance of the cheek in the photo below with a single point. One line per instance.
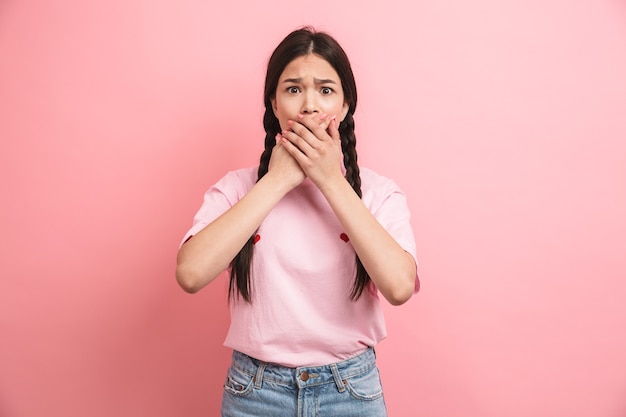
(284, 109)
(282, 119)
(334, 104)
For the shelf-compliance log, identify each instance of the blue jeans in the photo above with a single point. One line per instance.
(350, 388)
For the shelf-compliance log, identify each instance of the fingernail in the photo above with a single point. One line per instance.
(333, 117)
(323, 116)
(289, 122)
(300, 116)
(277, 138)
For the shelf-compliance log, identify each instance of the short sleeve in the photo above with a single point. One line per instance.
(220, 197)
(394, 216)
(388, 204)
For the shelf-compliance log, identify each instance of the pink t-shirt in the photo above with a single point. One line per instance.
(302, 272)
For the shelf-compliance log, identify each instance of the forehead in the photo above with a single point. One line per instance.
(310, 65)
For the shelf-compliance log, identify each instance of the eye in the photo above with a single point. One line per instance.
(326, 90)
(293, 90)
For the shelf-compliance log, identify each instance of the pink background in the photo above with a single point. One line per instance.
(504, 122)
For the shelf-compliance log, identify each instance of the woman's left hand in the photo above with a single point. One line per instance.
(315, 143)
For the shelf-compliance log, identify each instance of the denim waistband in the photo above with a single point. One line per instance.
(305, 376)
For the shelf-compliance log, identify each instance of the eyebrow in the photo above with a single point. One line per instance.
(316, 80)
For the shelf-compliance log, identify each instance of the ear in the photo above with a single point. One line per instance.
(274, 108)
(344, 111)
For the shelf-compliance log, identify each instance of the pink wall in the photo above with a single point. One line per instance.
(505, 122)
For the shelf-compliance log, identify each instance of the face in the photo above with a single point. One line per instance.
(309, 85)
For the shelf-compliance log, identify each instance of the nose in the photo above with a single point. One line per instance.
(309, 106)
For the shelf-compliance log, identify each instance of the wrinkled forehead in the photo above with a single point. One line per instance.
(310, 67)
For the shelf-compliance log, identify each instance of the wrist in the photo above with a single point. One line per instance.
(277, 184)
(335, 185)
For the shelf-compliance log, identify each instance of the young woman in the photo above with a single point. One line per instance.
(312, 243)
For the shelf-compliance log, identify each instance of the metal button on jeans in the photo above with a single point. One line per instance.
(304, 376)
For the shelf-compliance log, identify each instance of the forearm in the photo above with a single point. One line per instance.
(208, 253)
(390, 267)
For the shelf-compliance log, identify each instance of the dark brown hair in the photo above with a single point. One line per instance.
(298, 43)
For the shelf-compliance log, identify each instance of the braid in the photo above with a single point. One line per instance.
(240, 282)
(348, 146)
(272, 127)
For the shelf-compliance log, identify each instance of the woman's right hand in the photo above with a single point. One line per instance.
(283, 167)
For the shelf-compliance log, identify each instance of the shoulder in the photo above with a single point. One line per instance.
(379, 191)
(373, 182)
(243, 178)
(244, 175)
(233, 185)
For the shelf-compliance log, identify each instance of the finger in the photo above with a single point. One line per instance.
(333, 129)
(293, 150)
(325, 120)
(299, 137)
(299, 129)
(279, 142)
(317, 124)
(310, 130)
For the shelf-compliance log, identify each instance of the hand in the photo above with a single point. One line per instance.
(314, 142)
(284, 167)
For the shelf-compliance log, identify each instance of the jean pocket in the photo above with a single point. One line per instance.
(365, 386)
(238, 383)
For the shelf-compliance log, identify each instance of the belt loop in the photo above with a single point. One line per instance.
(338, 381)
(258, 379)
